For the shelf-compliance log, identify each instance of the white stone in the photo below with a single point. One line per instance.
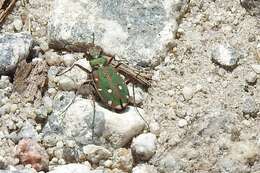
(71, 168)
(96, 153)
(144, 168)
(144, 146)
(59, 144)
(52, 58)
(182, 123)
(256, 68)
(188, 92)
(155, 128)
(68, 60)
(65, 83)
(18, 25)
(75, 75)
(225, 55)
(118, 128)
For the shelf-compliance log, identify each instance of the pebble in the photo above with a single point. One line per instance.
(17, 25)
(52, 58)
(70, 155)
(188, 92)
(68, 60)
(251, 78)
(30, 152)
(155, 128)
(123, 159)
(144, 168)
(250, 106)
(108, 163)
(71, 168)
(65, 83)
(256, 68)
(182, 123)
(144, 146)
(96, 153)
(225, 55)
(59, 144)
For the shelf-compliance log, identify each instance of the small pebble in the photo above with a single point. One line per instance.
(187, 92)
(17, 25)
(256, 68)
(59, 144)
(122, 159)
(155, 128)
(225, 55)
(96, 153)
(182, 123)
(251, 78)
(108, 163)
(250, 106)
(144, 146)
(52, 58)
(68, 60)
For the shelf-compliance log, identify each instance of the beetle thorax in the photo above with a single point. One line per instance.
(98, 62)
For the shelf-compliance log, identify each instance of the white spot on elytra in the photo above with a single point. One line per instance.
(109, 102)
(120, 87)
(99, 89)
(109, 91)
(96, 79)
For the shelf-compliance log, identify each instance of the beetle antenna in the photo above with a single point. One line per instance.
(138, 110)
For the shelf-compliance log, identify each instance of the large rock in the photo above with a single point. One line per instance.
(135, 30)
(118, 128)
(14, 47)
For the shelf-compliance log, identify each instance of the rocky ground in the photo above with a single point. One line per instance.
(202, 108)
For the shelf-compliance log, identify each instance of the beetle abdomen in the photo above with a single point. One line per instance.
(111, 88)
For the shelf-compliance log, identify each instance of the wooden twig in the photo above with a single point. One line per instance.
(5, 8)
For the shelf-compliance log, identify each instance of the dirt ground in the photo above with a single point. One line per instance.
(200, 105)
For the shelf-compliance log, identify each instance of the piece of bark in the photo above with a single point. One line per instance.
(5, 8)
(31, 80)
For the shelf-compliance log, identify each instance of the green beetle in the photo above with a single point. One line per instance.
(109, 85)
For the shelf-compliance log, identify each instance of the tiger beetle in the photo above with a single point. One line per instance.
(107, 82)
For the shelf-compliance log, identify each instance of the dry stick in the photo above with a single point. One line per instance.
(4, 13)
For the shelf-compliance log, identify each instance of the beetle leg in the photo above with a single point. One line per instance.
(137, 109)
(94, 117)
(81, 67)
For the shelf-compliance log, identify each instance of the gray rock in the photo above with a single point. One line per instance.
(144, 146)
(225, 55)
(72, 168)
(144, 168)
(96, 153)
(250, 106)
(251, 78)
(28, 131)
(14, 47)
(135, 30)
